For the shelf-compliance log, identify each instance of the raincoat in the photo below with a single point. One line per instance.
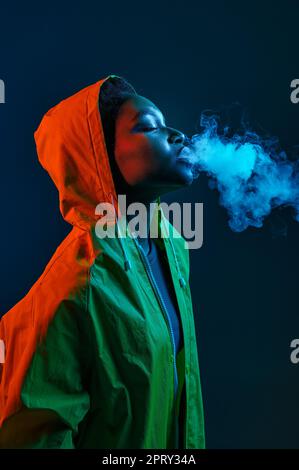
(90, 340)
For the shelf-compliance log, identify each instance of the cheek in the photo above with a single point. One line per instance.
(137, 158)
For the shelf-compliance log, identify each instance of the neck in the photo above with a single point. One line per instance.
(145, 217)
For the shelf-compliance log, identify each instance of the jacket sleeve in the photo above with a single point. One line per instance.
(56, 379)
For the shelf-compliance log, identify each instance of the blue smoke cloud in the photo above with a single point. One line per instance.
(251, 176)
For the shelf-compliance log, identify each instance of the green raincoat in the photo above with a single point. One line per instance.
(91, 339)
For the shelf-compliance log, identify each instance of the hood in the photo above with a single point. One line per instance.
(71, 147)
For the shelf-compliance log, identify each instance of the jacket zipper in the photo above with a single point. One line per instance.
(161, 300)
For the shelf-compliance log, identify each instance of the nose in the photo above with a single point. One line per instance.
(176, 137)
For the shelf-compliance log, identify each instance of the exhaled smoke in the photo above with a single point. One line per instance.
(251, 176)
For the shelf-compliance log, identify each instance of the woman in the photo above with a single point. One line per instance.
(101, 352)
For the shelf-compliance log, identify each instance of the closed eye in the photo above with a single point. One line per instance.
(148, 128)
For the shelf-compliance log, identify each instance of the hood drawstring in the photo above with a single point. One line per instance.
(127, 262)
(181, 277)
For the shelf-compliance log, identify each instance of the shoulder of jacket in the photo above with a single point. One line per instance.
(63, 282)
(180, 246)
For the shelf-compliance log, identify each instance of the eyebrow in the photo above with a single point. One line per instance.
(143, 113)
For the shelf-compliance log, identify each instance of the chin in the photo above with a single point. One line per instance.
(180, 177)
(186, 177)
(184, 173)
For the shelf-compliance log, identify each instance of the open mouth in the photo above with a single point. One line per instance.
(185, 153)
(185, 156)
(185, 161)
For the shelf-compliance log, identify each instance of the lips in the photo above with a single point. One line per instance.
(184, 155)
(185, 161)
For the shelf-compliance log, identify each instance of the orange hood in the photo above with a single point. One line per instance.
(71, 147)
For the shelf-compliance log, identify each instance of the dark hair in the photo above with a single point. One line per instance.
(114, 92)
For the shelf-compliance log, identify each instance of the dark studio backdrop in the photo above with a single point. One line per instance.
(186, 57)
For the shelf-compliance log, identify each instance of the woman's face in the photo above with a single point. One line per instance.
(146, 149)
